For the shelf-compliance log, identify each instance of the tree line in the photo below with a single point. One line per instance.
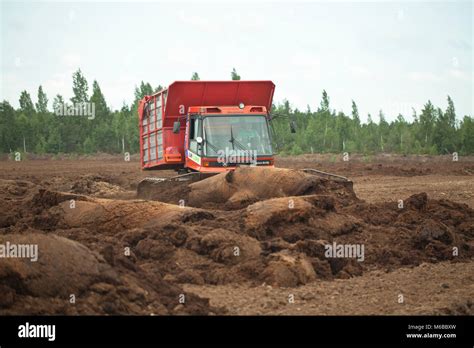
(35, 128)
(434, 131)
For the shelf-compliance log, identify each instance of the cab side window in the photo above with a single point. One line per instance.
(193, 134)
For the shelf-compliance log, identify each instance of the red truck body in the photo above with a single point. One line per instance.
(232, 114)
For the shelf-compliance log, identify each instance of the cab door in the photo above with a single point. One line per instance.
(194, 149)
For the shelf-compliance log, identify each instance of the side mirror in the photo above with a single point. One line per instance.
(176, 127)
(292, 127)
(199, 140)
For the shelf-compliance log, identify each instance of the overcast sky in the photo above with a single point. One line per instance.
(391, 56)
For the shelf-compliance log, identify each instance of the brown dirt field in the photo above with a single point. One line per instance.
(243, 241)
(435, 289)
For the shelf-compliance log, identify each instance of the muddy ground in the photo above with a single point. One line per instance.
(252, 242)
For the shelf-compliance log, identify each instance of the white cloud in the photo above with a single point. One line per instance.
(58, 84)
(72, 15)
(18, 62)
(421, 76)
(71, 60)
(360, 71)
(459, 74)
(305, 65)
(194, 20)
(361, 56)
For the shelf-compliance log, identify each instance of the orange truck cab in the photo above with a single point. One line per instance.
(207, 126)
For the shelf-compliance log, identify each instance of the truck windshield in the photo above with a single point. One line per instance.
(236, 133)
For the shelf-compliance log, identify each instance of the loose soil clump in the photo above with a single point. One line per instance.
(255, 226)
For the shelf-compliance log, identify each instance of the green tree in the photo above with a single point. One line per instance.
(324, 105)
(383, 130)
(450, 113)
(343, 131)
(42, 104)
(370, 136)
(234, 75)
(324, 116)
(466, 131)
(427, 125)
(76, 128)
(444, 136)
(79, 88)
(100, 136)
(58, 102)
(8, 130)
(99, 100)
(143, 90)
(355, 134)
(355, 114)
(26, 105)
(399, 137)
(195, 77)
